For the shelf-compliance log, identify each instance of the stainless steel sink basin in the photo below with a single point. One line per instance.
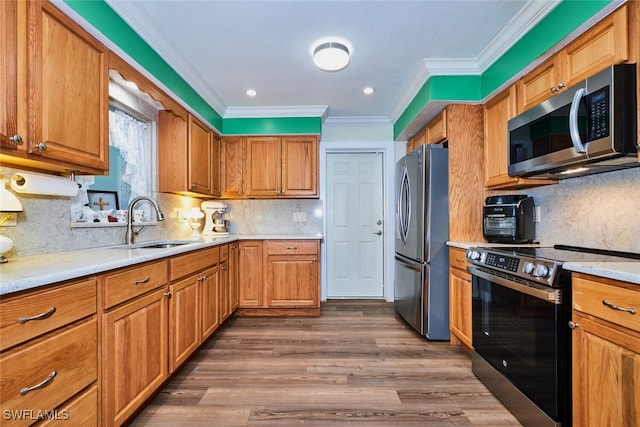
(155, 245)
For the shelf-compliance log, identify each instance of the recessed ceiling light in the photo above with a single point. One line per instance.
(330, 54)
(368, 90)
(251, 92)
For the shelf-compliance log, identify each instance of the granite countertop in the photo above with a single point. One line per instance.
(624, 271)
(28, 272)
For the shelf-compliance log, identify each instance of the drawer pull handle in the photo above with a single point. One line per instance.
(143, 281)
(460, 260)
(615, 307)
(45, 315)
(44, 383)
(292, 248)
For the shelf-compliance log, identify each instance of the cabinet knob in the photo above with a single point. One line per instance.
(167, 294)
(573, 325)
(41, 146)
(16, 139)
(554, 89)
(561, 85)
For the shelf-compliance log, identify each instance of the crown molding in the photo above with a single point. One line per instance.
(354, 121)
(131, 12)
(279, 111)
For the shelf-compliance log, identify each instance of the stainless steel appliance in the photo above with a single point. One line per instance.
(421, 294)
(508, 219)
(588, 128)
(521, 307)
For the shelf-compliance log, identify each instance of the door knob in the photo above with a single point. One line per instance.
(379, 222)
(379, 233)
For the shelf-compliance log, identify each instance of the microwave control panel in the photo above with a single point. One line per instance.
(598, 114)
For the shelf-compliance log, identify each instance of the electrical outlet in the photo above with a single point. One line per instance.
(8, 219)
(300, 216)
(537, 214)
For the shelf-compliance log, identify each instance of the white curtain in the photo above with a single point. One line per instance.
(133, 138)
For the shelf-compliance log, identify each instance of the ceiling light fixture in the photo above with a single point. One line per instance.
(251, 92)
(331, 56)
(368, 90)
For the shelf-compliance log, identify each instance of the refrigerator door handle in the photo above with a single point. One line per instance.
(404, 263)
(404, 206)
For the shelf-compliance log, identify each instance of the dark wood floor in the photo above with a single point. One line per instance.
(358, 363)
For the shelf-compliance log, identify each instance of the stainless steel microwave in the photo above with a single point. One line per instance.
(588, 128)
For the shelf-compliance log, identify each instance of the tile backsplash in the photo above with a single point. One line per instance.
(599, 211)
(44, 226)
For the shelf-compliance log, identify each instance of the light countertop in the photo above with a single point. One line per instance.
(624, 271)
(28, 272)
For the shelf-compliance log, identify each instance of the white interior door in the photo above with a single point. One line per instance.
(355, 225)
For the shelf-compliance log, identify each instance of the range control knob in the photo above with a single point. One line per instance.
(528, 267)
(541, 271)
(473, 255)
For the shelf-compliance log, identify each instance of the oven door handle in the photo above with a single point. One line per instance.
(540, 292)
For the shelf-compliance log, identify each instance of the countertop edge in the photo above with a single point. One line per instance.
(623, 271)
(34, 271)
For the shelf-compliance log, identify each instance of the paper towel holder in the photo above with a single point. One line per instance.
(52, 185)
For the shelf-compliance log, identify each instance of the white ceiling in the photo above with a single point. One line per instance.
(222, 48)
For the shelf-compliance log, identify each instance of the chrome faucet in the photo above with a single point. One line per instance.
(130, 236)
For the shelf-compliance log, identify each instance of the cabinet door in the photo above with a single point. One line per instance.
(199, 157)
(460, 306)
(299, 166)
(184, 324)
(134, 359)
(234, 297)
(251, 274)
(606, 374)
(232, 166)
(210, 297)
(8, 74)
(604, 44)
(172, 151)
(68, 91)
(216, 151)
(225, 305)
(437, 129)
(263, 171)
(292, 281)
(540, 84)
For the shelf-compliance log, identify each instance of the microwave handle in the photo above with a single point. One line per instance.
(573, 121)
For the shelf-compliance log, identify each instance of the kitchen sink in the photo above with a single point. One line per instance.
(155, 245)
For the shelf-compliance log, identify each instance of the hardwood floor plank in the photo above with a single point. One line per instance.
(358, 363)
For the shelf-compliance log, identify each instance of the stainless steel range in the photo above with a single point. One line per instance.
(521, 306)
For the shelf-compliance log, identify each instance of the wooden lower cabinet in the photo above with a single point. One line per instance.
(233, 276)
(184, 324)
(135, 354)
(460, 320)
(606, 352)
(279, 277)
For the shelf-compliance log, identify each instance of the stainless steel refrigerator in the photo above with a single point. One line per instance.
(421, 291)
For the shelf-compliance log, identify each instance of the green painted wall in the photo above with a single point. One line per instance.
(559, 23)
(564, 19)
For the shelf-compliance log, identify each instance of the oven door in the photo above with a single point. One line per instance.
(519, 329)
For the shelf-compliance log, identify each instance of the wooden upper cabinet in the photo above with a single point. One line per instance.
(281, 166)
(68, 91)
(262, 178)
(436, 131)
(497, 112)
(216, 164)
(231, 166)
(603, 45)
(8, 75)
(200, 161)
(184, 154)
(299, 166)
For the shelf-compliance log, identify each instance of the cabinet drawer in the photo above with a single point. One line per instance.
(48, 310)
(70, 353)
(129, 283)
(458, 258)
(81, 411)
(297, 247)
(183, 265)
(597, 298)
